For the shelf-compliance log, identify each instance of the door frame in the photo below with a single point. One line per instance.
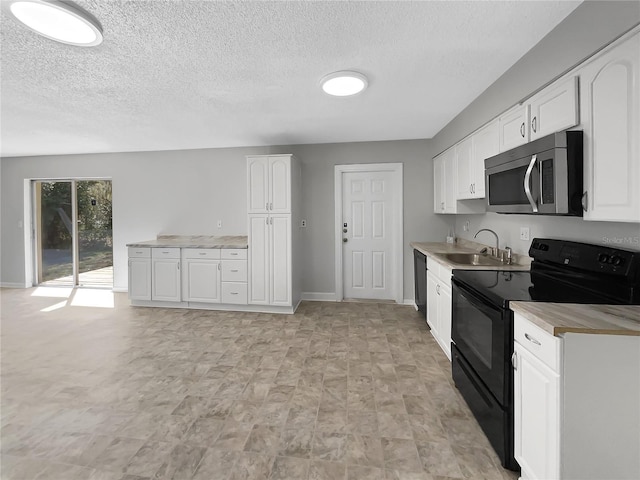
(32, 267)
(397, 228)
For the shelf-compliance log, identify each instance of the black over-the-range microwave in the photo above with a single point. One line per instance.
(542, 177)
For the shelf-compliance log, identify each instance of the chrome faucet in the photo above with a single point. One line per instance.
(494, 251)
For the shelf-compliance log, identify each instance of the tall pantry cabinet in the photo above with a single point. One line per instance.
(273, 199)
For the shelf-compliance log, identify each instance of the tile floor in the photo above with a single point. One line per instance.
(336, 391)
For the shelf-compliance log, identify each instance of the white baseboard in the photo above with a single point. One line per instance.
(12, 285)
(410, 301)
(319, 296)
(120, 290)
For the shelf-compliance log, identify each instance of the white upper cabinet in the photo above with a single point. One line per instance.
(470, 156)
(465, 167)
(611, 124)
(269, 184)
(438, 184)
(514, 127)
(486, 143)
(554, 109)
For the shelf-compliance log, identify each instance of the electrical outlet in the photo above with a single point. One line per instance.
(303, 223)
(524, 233)
(219, 223)
(466, 226)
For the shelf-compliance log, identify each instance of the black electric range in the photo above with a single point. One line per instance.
(482, 324)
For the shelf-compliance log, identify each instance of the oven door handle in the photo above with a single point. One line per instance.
(527, 184)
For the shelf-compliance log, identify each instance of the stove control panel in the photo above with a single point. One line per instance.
(587, 257)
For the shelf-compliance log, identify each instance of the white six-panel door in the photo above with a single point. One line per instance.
(367, 252)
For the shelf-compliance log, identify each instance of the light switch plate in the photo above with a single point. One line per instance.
(524, 233)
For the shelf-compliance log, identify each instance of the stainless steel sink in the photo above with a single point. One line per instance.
(472, 259)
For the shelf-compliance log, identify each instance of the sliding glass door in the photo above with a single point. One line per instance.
(73, 235)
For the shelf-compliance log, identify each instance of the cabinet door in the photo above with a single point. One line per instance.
(514, 127)
(280, 184)
(555, 108)
(486, 143)
(432, 303)
(280, 278)
(537, 421)
(165, 285)
(464, 169)
(259, 259)
(444, 318)
(449, 187)
(438, 184)
(258, 184)
(140, 278)
(201, 280)
(611, 124)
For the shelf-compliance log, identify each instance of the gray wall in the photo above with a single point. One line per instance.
(587, 29)
(186, 192)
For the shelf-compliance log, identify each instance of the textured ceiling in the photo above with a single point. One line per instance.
(197, 74)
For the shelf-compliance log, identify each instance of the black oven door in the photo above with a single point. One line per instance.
(483, 334)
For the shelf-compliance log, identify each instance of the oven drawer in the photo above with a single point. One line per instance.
(543, 345)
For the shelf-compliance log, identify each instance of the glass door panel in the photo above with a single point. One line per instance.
(54, 202)
(95, 237)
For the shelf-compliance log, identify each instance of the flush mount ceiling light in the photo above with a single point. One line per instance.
(344, 84)
(57, 20)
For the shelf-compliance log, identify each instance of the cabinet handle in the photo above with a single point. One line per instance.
(266, 206)
(271, 220)
(234, 271)
(138, 252)
(471, 188)
(533, 124)
(233, 253)
(233, 293)
(219, 266)
(531, 339)
(178, 265)
(585, 201)
(271, 206)
(522, 129)
(202, 253)
(514, 361)
(438, 289)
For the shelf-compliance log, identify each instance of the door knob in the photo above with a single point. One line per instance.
(345, 240)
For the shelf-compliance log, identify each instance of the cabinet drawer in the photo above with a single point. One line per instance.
(234, 271)
(212, 253)
(543, 345)
(234, 253)
(234, 292)
(137, 252)
(165, 253)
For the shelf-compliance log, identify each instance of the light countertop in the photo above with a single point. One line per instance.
(194, 241)
(434, 249)
(559, 318)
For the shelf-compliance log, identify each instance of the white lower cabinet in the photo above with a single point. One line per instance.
(201, 275)
(536, 417)
(139, 273)
(270, 252)
(577, 404)
(165, 271)
(439, 304)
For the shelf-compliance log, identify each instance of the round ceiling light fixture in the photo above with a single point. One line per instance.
(59, 21)
(344, 84)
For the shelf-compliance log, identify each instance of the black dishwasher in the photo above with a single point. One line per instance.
(420, 271)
